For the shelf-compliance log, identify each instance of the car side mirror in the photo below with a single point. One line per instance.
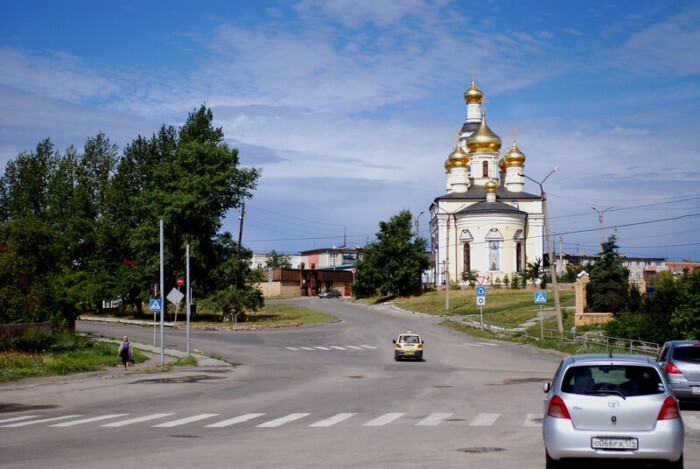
(546, 387)
(393, 341)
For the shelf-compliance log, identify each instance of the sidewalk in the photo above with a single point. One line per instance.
(202, 360)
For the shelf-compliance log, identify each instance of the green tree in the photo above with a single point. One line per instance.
(391, 265)
(685, 319)
(609, 289)
(276, 260)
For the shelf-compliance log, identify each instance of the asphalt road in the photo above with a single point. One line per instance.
(319, 396)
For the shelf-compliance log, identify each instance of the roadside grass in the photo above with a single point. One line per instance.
(274, 314)
(67, 355)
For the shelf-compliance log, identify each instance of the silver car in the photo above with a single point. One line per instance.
(680, 362)
(611, 407)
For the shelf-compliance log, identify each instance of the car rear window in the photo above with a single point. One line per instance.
(409, 339)
(628, 380)
(687, 354)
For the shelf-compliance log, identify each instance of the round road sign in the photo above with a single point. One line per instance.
(480, 291)
(180, 281)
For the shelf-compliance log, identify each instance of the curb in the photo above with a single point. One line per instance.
(202, 360)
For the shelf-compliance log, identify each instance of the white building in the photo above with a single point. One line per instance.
(485, 222)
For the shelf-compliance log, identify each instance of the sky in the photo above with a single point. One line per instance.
(351, 107)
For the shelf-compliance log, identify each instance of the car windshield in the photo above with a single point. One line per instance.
(625, 380)
(409, 339)
(687, 354)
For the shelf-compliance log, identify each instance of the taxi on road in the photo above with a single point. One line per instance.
(408, 345)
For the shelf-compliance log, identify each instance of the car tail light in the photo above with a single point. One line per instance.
(669, 410)
(398, 345)
(420, 346)
(673, 369)
(557, 408)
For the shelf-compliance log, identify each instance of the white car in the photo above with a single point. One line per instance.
(611, 407)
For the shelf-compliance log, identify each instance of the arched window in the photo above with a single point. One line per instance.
(518, 257)
(485, 169)
(467, 257)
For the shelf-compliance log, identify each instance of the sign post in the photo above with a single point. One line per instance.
(481, 300)
(541, 299)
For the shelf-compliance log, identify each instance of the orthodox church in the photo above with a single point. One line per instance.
(485, 223)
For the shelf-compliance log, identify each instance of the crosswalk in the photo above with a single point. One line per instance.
(263, 420)
(332, 347)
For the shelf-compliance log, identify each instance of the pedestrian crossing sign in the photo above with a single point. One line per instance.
(155, 305)
(540, 298)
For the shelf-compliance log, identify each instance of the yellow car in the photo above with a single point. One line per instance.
(408, 345)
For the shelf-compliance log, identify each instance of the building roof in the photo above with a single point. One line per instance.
(490, 207)
(478, 192)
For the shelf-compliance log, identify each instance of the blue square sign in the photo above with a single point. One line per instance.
(540, 297)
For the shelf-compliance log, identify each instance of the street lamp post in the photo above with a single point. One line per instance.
(552, 271)
(415, 220)
(420, 274)
(600, 220)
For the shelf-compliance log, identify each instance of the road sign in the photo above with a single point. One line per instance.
(481, 301)
(175, 296)
(480, 279)
(540, 297)
(155, 305)
(180, 281)
(480, 291)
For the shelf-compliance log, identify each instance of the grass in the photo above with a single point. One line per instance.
(275, 314)
(74, 355)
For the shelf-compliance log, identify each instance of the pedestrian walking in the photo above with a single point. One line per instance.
(126, 352)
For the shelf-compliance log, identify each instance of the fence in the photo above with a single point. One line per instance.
(591, 342)
(16, 330)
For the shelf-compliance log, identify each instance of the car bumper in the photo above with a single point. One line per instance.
(418, 354)
(665, 442)
(684, 390)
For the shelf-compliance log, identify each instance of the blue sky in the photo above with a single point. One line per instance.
(350, 107)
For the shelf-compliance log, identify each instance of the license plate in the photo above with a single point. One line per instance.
(408, 353)
(621, 444)
(695, 389)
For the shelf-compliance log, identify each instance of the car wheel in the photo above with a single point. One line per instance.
(396, 358)
(551, 463)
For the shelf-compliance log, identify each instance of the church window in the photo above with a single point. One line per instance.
(518, 257)
(467, 257)
(485, 169)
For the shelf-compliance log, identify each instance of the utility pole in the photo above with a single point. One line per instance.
(447, 257)
(552, 270)
(600, 220)
(240, 230)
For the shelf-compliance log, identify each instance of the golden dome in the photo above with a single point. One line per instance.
(484, 139)
(459, 158)
(448, 166)
(473, 94)
(491, 186)
(502, 164)
(514, 157)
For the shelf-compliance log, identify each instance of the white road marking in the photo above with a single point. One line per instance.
(322, 348)
(488, 344)
(369, 346)
(383, 420)
(282, 420)
(53, 419)
(15, 419)
(337, 348)
(175, 423)
(331, 420)
(87, 420)
(354, 347)
(484, 420)
(146, 418)
(307, 348)
(691, 422)
(433, 420)
(533, 420)
(233, 421)
(291, 348)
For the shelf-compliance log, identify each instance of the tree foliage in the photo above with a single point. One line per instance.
(609, 289)
(276, 260)
(393, 264)
(81, 227)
